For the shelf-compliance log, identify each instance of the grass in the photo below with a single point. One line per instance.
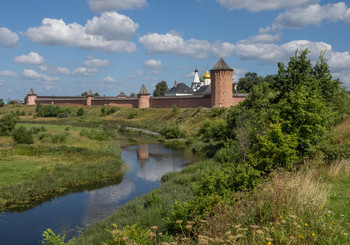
(34, 173)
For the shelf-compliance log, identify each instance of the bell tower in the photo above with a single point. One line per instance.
(31, 97)
(221, 85)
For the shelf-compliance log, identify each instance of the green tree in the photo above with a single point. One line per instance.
(86, 93)
(246, 83)
(132, 95)
(80, 112)
(161, 88)
(2, 104)
(7, 124)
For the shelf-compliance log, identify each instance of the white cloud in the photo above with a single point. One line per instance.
(2, 82)
(57, 32)
(92, 62)
(109, 5)
(112, 26)
(109, 79)
(153, 66)
(8, 38)
(238, 73)
(274, 53)
(84, 71)
(264, 38)
(53, 70)
(32, 58)
(6, 73)
(136, 74)
(259, 5)
(313, 15)
(33, 75)
(173, 43)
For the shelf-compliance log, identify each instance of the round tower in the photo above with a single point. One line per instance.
(31, 97)
(221, 85)
(143, 97)
(89, 98)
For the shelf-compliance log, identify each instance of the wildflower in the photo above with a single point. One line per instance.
(306, 224)
(345, 234)
(189, 227)
(228, 233)
(292, 216)
(301, 220)
(259, 232)
(269, 239)
(268, 243)
(254, 226)
(313, 234)
(283, 221)
(301, 236)
(179, 221)
(321, 206)
(238, 236)
(154, 227)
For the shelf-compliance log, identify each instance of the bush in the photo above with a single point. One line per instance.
(7, 124)
(22, 136)
(214, 130)
(2, 104)
(51, 111)
(132, 115)
(172, 132)
(45, 137)
(80, 112)
(60, 137)
(37, 129)
(96, 134)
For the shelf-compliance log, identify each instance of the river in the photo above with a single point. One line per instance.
(73, 213)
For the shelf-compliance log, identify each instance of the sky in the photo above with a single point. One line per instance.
(67, 47)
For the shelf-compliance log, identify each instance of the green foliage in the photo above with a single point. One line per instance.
(246, 83)
(80, 112)
(100, 134)
(151, 199)
(50, 238)
(228, 154)
(172, 132)
(161, 88)
(7, 124)
(274, 150)
(132, 115)
(214, 130)
(22, 136)
(107, 111)
(2, 104)
(60, 137)
(217, 111)
(52, 111)
(134, 234)
(37, 129)
(175, 109)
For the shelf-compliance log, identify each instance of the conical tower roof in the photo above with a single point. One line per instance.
(31, 92)
(143, 90)
(90, 94)
(221, 65)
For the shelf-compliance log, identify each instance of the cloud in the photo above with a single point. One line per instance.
(109, 79)
(173, 43)
(92, 62)
(110, 5)
(53, 70)
(84, 71)
(259, 5)
(6, 73)
(112, 26)
(8, 38)
(313, 15)
(136, 74)
(33, 75)
(32, 58)
(2, 82)
(274, 53)
(153, 66)
(238, 73)
(97, 34)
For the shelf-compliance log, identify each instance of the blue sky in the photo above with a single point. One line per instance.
(67, 47)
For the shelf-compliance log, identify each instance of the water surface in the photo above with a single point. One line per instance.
(72, 213)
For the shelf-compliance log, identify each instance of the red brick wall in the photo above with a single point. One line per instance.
(63, 102)
(181, 102)
(132, 103)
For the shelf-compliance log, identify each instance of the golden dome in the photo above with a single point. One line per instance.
(206, 75)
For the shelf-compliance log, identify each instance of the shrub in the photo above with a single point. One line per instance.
(50, 111)
(217, 111)
(132, 115)
(45, 137)
(214, 130)
(96, 134)
(7, 124)
(175, 109)
(23, 113)
(60, 137)
(2, 104)
(172, 132)
(80, 112)
(37, 129)
(22, 136)
(110, 111)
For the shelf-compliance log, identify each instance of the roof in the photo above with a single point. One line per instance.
(143, 90)
(204, 90)
(221, 65)
(122, 94)
(181, 88)
(90, 93)
(31, 92)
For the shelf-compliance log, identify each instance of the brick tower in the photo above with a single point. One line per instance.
(89, 98)
(31, 97)
(143, 97)
(221, 85)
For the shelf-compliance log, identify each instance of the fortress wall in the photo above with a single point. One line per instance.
(128, 103)
(63, 102)
(181, 102)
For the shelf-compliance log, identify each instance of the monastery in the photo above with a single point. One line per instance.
(214, 91)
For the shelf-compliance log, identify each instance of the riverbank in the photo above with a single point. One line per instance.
(62, 159)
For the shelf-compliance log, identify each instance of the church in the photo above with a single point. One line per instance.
(215, 90)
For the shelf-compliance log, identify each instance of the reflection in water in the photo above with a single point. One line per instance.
(146, 165)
